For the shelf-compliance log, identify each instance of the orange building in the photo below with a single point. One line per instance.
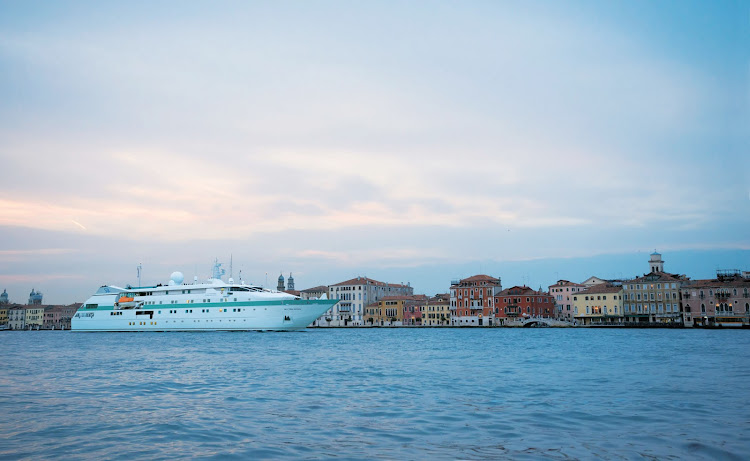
(472, 300)
(395, 310)
(522, 301)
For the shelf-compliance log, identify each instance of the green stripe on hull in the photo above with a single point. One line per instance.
(293, 302)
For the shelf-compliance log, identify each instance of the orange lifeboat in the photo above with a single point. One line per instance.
(127, 302)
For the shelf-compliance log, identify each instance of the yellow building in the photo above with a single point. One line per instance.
(34, 317)
(3, 314)
(600, 303)
(437, 311)
(388, 311)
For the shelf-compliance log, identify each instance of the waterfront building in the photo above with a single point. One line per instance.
(290, 283)
(355, 294)
(472, 300)
(58, 317)
(280, 285)
(4, 314)
(388, 311)
(654, 297)
(723, 301)
(64, 316)
(4, 298)
(436, 311)
(314, 293)
(49, 318)
(601, 303)
(34, 317)
(563, 292)
(35, 298)
(17, 317)
(522, 301)
(413, 310)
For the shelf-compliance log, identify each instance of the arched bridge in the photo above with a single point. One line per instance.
(542, 322)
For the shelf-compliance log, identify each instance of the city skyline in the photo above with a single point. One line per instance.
(330, 140)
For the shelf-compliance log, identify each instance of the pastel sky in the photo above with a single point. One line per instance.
(405, 141)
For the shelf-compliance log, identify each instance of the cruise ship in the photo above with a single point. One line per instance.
(209, 306)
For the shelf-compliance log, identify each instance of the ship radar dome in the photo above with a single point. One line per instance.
(177, 278)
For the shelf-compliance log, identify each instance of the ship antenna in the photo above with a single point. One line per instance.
(139, 268)
(230, 266)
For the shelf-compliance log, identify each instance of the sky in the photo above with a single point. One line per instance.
(410, 142)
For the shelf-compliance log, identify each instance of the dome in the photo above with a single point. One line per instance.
(177, 277)
(281, 278)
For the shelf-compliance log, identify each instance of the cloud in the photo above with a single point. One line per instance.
(455, 131)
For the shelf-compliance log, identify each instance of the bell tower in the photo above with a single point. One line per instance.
(656, 263)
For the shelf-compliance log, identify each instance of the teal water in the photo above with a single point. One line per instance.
(383, 393)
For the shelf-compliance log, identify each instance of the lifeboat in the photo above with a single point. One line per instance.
(127, 302)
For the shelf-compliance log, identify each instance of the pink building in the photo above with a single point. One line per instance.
(723, 301)
(563, 292)
(413, 310)
(58, 317)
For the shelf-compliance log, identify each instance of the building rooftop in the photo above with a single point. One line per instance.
(659, 277)
(320, 288)
(522, 290)
(709, 283)
(480, 278)
(600, 289)
(369, 281)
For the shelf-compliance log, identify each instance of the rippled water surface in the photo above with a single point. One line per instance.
(383, 393)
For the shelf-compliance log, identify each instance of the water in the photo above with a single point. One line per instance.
(384, 393)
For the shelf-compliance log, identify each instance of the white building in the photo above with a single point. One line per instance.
(355, 294)
(17, 318)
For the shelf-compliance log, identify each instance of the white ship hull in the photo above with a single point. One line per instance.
(291, 315)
